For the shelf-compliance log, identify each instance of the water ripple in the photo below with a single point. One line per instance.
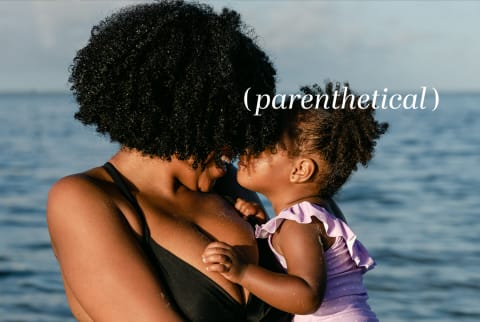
(415, 208)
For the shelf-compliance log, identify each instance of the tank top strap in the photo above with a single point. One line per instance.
(122, 185)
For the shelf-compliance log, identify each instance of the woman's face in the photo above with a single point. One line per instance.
(209, 175)
(203, 178)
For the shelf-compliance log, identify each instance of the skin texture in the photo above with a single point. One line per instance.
(95, 234)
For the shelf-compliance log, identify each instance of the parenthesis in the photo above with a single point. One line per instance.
(245, 99)
(437, 99)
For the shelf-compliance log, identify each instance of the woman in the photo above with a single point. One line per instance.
(165, 81)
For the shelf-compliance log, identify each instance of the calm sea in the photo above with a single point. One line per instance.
(415, 207)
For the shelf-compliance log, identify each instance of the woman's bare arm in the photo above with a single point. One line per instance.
(101, 261)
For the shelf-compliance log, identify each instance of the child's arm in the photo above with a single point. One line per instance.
(300, 291)
(251, 210)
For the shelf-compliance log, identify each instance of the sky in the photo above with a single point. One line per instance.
(399, 45)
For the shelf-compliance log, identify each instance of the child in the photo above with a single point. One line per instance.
(324, 261)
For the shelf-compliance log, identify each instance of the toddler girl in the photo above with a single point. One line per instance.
(322, 256)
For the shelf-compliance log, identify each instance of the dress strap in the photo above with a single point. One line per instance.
(122, 185)
(303, 213)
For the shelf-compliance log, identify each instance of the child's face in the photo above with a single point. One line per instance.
(267, 173)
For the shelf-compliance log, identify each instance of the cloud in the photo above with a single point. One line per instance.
(370, 43)
(40, 39)
(400, 45)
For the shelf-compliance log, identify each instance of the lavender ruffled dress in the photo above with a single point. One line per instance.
(346, 260)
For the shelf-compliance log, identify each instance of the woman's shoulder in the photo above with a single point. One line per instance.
(81, 201)
(72, 194)
(74, 179)
(80, 189)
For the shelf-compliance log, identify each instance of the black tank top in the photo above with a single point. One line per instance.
(197, 297)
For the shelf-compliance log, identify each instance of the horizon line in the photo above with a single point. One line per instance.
(401, 91)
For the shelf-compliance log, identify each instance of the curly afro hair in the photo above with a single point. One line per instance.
(168, 79)
(342, 136)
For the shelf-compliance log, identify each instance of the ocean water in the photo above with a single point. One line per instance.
(415, 207)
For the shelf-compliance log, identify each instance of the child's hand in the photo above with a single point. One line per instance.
(251, 210)
(222, 258)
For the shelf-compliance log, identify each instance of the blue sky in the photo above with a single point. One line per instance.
(401, 45)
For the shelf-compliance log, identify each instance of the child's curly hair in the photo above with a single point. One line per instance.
(168, 79)
(343, 137)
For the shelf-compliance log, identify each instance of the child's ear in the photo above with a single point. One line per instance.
(303, 170)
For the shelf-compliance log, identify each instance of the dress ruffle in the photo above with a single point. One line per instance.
(303, 213)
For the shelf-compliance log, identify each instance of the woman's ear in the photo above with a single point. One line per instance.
(303, 170)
